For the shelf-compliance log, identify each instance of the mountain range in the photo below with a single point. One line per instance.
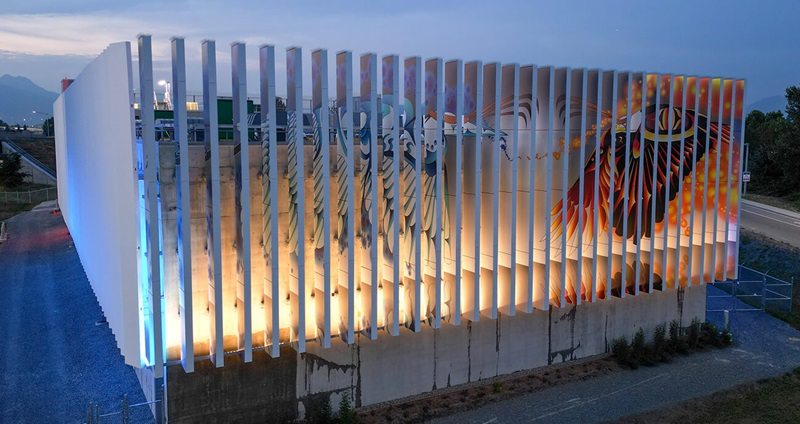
(769, 104)
(19, 97)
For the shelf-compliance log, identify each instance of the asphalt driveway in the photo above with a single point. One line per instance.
(55, 359)
(763, 347)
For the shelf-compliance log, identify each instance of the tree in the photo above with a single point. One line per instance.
(775, 148)
(48, 127)
(11, 174)
(280, 104)
(793, 104)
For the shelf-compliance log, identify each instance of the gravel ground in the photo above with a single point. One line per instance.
(763, 347)
(55, 360)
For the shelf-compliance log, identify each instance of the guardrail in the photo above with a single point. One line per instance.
(32, 160)
(31, 196)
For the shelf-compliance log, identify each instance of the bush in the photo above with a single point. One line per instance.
(639, 345)
(347, 415)
(694, 333)
(660, 337)
(321, 412)
(674, 336)
(622, 352)
(727, 337)
(660, 346)
(497, 387)
(711, 335)
(619, 348)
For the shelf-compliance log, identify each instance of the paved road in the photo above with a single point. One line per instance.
(764, 347)
(54, 360)
(772, 222)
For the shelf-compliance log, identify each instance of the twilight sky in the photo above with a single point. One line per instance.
(46, 40)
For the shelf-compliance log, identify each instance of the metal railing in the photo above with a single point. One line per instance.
(31, 196)
(93, 415)
(753, 291)
(36, 162)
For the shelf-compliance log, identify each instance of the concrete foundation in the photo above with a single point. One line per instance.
(279, 389)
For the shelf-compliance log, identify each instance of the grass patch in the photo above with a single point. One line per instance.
(777, 259)
(764, 254)
(773, 400)
(790, 202)
(7, 210)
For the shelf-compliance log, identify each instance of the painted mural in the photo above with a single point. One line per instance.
(438, 193)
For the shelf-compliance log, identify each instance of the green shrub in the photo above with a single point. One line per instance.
(660, 346)
(347, 415)
(638, 344)
(621, 351)
(674, 335)
(727, 337)
(712, 335)
(321, 412)
(620, 348)
(694, 333)
(497, 387)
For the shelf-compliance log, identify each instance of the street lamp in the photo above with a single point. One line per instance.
(47, 115)
(44, 124)
(167, 96)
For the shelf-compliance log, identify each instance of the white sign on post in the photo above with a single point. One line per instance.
(746, 177)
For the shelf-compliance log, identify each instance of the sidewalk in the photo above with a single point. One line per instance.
(763, 347)
(792, 214)
(55, 359)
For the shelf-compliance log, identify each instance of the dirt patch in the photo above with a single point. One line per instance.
(474, 395)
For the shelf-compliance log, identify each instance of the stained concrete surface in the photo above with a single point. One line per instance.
(764, 347)
(55, 360)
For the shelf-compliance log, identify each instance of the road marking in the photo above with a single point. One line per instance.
(796, 224)
(776, 211)
(490, 421)
(600, 397)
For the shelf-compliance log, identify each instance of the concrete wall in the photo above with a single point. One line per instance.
(97, 187)
(271, 390)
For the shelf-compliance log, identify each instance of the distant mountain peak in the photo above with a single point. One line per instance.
(769, 104)
(19, 97)
(22, 83)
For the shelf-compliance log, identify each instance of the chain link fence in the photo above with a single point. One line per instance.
(31, 196)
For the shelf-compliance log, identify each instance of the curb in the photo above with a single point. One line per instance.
(794, 215)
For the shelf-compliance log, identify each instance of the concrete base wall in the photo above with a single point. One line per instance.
(276, 389)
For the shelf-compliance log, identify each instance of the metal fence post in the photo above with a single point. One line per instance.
(125, 410)
(764, 293)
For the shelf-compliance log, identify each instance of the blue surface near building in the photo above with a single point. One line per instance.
(56, 357)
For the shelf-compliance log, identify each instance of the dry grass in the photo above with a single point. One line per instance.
(448, 401)
(43, 150)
